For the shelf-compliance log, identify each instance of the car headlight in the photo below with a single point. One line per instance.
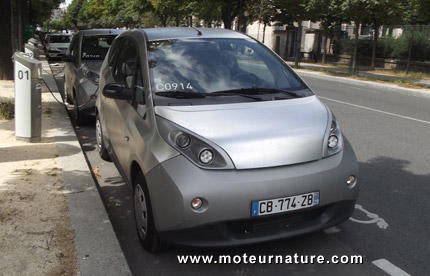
(90, 75)
(200, 151)
(334, 139)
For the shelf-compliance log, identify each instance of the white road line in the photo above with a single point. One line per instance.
(376, 110)
(389, 268)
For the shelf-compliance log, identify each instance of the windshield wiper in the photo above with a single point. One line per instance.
(257, 91)
(179, 94)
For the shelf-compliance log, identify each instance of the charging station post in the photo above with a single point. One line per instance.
(28, 98)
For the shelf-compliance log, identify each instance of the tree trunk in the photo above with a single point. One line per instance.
(324, 47)
(226, 14)
(375, 45)
(298, 43)
(6, 64)
(20, 8)
(354, 57)
(411, 42)
(264, 32)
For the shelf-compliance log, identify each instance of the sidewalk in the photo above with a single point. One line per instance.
(53, 219)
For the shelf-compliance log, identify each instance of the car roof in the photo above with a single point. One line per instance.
(100, 31)
(187, 32)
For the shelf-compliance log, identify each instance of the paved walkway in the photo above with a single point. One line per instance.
(98, 249)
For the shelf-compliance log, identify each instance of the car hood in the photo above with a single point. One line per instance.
(59, 45)
(258, 135)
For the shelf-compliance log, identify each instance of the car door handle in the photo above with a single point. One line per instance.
(127, 138)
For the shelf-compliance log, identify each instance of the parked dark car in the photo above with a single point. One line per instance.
(82, 65)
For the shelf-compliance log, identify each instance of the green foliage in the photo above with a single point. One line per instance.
(56, 25)
(41, 10)
(7, 110)
(390, 47)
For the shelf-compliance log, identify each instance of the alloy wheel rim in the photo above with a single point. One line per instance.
(140, 211)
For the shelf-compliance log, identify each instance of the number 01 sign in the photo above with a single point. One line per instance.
(22, 100)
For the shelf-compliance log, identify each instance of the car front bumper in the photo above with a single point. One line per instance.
(225, 218)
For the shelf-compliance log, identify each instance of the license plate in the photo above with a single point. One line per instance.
(285, 204)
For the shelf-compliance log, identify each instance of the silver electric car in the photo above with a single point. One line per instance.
(83, 60)
(220, 141)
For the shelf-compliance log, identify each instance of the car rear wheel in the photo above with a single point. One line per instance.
(100, 141)
(144, 217)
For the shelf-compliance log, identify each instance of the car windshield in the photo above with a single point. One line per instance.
(235, 70)
(95, 47)
(59, 39)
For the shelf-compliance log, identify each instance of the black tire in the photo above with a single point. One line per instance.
(66, 93)
(100, 141)
(77, 117)
(143, 217)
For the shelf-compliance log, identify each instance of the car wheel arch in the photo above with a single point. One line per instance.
(134, 171)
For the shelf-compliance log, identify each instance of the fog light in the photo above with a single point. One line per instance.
(332, 141)
(196, 203)
(93, 97)
(183, 140)
(350, 180)
(206, 156)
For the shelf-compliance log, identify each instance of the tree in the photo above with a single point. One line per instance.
(328, 13)
(383, 12)
(6, 65)
(263, 11)
(170, 9)
(354, 10)
(75, 16)
(288, 12)
(207, 10)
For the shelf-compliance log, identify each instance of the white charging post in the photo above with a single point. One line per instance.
(28, 98)
(31, 50)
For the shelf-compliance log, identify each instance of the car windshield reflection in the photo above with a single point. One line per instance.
(211, 65)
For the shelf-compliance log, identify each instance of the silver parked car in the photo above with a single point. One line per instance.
(57, 44)
(220, 141)
(82, 65)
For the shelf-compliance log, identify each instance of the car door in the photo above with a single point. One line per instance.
(116, 111)
(70, 73)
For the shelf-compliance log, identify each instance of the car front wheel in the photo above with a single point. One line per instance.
(100, 141)
(144, 217)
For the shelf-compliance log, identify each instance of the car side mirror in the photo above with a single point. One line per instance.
(67, 58)
(117, 91)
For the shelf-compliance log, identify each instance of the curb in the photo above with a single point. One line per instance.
(370, 84)
(98, 249)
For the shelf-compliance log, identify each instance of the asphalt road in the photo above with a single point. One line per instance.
(389, 132)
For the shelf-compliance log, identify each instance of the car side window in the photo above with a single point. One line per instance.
(114, 51)
(74, 49)
(124, 71)
(139, 92)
